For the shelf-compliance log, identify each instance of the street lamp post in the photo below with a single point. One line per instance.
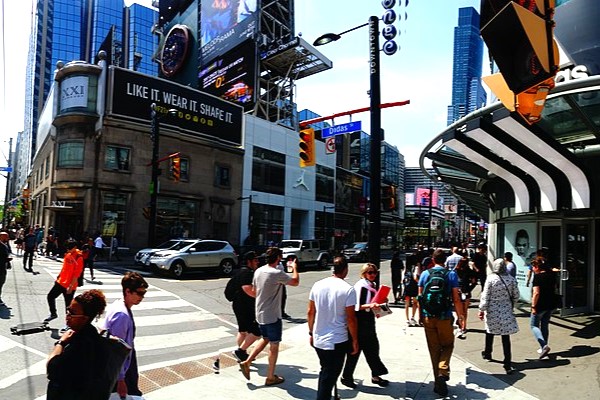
(155, 136)
(375, 153)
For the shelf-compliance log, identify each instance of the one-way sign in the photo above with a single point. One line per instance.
(5, 169)
(341, 129)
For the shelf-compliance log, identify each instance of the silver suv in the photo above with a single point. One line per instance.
(307, 252)
(142, 256)
(199, 254)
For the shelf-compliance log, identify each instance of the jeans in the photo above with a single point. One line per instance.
(28, 255)
(489, 346)
(331, 362)
(539, 326)
(440, 342)
(56, 291)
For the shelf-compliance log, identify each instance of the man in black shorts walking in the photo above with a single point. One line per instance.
(244, 308)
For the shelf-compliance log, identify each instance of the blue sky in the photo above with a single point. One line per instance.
(421, 71)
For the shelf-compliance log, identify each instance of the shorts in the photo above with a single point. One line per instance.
(272, 331)
(246, 320)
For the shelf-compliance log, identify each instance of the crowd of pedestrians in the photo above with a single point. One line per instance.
(436, 286)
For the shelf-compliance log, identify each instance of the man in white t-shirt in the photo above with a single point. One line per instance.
(331, 316)
(267, 287)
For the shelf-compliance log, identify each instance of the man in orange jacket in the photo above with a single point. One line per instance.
(66, 282)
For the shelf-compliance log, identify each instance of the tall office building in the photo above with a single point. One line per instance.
(68, 30)
(467, 92)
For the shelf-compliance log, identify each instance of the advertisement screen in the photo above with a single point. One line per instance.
(422, 197)
(225, 24)
(521, 240)
(198, 113)
(232, 76)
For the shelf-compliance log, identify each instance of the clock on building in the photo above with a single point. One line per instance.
(174, 50)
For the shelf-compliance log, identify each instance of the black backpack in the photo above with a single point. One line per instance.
(408, 280)
(233, 287)
(435, 299)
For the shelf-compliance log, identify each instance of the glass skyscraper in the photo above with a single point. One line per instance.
(68, 30)
(467, 92)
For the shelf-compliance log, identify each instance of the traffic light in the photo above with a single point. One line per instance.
(306, 149)
(176, 168)
(519, 37)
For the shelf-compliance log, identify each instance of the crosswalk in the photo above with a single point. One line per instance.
(169, 329)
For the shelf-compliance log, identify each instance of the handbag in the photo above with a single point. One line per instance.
(113, 352)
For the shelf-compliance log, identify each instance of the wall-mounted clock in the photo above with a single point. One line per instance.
(174, 50)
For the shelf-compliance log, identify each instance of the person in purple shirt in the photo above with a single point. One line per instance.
(119, 322)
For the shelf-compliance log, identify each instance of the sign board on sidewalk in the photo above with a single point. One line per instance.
(341, 129)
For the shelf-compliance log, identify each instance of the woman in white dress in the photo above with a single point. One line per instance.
(496, 307)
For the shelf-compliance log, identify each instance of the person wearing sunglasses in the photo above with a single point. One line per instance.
(73, 365)
(119, 322)
(365, 290)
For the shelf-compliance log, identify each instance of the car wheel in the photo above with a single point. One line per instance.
(227, 266)
(323, 262)
(177, 269)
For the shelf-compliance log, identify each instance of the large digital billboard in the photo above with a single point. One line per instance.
(232, 76)
(131, 95)
(225, 24)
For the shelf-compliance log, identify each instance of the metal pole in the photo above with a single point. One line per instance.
(7, 194)
(154, 133)
(375, 154)
(430, 215)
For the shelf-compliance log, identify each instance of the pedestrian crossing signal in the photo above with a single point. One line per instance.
(176, 168)
(306, 149)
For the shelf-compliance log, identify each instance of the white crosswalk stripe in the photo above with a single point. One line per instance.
(179, 323)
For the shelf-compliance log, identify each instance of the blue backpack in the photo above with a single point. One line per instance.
(435, 298)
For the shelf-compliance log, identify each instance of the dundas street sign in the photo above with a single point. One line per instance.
(341, 129)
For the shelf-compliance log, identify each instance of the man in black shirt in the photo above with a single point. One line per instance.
(480, 263)
(29, 249)
(4, 261)
(244, 307)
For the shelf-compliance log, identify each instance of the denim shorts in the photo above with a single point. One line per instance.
(272, 331)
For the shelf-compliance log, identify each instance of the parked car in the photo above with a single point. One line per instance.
(142, 256)
(358, 252)
(306, 251)
(197, 255)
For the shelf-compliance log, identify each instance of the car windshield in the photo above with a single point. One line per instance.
(184, 243)
(360, 246)
(289, 244)
(168, 244)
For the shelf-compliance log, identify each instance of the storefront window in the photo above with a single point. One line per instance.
(176, 219)
(325, 184)
(114, 216)
(70, 155)
(268, 171)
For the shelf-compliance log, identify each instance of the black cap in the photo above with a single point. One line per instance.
(251, 255)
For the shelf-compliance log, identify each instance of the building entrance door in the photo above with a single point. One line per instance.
(575, 276)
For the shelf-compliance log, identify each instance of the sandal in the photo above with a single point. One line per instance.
(275, 381)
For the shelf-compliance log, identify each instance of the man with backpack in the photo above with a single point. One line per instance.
(438, 290)
(239, 292)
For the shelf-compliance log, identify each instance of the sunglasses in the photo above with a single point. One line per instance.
(371, 272)
(72, 315)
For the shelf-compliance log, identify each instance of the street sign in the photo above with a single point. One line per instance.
(341, 129)
(330, 145)
(6, 169)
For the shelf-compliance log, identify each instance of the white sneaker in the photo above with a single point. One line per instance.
(539, 351)
(413, 322)
(545, 351)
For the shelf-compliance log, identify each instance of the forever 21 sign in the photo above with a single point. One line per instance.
(197, 112)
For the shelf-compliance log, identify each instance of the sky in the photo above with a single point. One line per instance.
(421, 71)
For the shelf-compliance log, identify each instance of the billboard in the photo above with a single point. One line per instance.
(225, 24)
(422, 197)
(131, 95)
(232, 76)
(521, 240)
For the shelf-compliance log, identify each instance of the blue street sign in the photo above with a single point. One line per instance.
(341, 129)
(5, 169)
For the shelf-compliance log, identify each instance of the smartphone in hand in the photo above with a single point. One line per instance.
(290, 263)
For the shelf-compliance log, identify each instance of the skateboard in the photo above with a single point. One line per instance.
(29, 328)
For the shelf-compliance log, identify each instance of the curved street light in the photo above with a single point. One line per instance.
(375, 151)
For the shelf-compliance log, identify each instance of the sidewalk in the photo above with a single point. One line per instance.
(407, 360)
